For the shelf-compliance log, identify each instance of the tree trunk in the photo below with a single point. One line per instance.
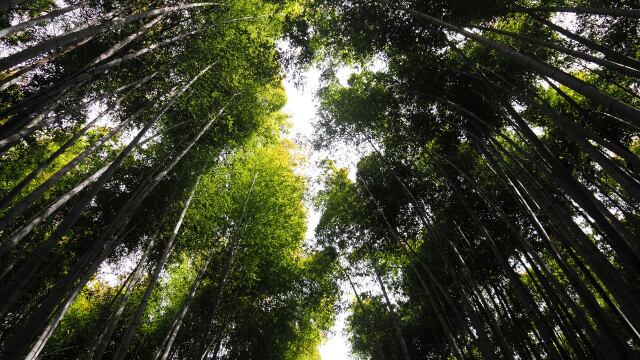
(394, 319)
(583, 132)
(135, 54)
(18, 344)
(96, 350)
(122, 43)
(17, 74)
(92, 258)
(81, 75)
(43, 214)
(25, 119)
(481, 306)
(606, 51)
(598, 263)
(542, 325)
(408, 251)
(35, 21)
(39, 121)
(581, 135)
(577, 282)
(589, 91)
(58, 42)
(572, 188)
(579, 54)
(165, 350)
(43, 165)
(607, 274)
(25, 203)
(123, 347)
(14, 290)
(34, 103)
(435, 305)
(204, 345)
(630, 13)
(78, 275)
(553, 286)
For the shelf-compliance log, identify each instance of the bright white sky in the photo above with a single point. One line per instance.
(301, 108)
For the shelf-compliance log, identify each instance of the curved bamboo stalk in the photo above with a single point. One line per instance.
(113, 319)
(34, 103)
(80, 274)
(25, 203)
(88, 72)
(67, 290)
(618, 235)
(37, 20)
(607, 328)
(75, 36)
(394, 318)
(14, 290)
(586, 247)
(606, 51)
(621, 12)
(18, 74)
(7, 198)
(15, 237)
(165, 350)
(436, 307)
(123, 347)
(578, 54)
(589, 91)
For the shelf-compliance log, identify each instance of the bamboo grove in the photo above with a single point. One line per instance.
(150, 207)
(496, 214)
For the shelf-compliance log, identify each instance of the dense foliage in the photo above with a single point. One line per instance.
(151, 209)
(496, 215)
